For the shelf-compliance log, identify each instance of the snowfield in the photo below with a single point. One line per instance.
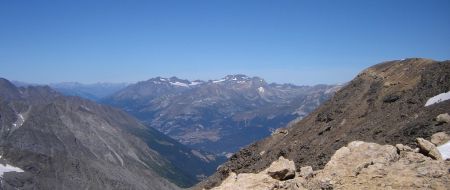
(438, 98)
(445, 150)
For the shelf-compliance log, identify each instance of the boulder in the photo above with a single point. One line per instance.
(443, 118)
(427, 148)
(282, 169)
(440, 138)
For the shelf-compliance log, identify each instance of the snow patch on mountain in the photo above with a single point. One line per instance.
(438, 98)
(217, 81)
(193, 83)
(19, 122)
(179, 84)
(261, 89)
(8, 168)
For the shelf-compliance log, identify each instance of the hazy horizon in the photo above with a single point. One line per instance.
(132, 82)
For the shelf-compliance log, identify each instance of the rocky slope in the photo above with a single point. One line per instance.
(60, 142)
(219, 116)
(384, 104)
(359, 165)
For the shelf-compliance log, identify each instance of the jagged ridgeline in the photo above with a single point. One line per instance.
(53, 141)
(389, 103)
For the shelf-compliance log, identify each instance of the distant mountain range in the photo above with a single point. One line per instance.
(219, 116)
(65, 142)
(95, 91)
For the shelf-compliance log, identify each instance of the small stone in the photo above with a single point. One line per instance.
(428, 149)
(443, 118)
(440, 138)
(306, 171)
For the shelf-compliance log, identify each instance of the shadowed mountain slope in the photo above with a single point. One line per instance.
(65, 142)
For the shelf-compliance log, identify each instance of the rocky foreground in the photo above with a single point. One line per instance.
(359, 165)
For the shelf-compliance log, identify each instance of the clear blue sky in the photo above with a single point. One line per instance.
(300, 42)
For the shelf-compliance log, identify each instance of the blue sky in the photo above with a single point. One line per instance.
(294, 41)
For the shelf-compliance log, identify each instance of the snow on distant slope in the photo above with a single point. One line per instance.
(20, 121)
(193, 83)
(217, 81)
(8, 168)
(438, 98)
(179, 84)
(261, 89)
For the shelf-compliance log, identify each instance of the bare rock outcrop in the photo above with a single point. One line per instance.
(359, 165)
(428, 148)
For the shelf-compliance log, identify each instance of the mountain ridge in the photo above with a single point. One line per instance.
(213, 115)
(384, 104)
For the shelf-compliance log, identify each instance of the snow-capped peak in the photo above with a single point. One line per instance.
(176, 81)
(238, 77)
